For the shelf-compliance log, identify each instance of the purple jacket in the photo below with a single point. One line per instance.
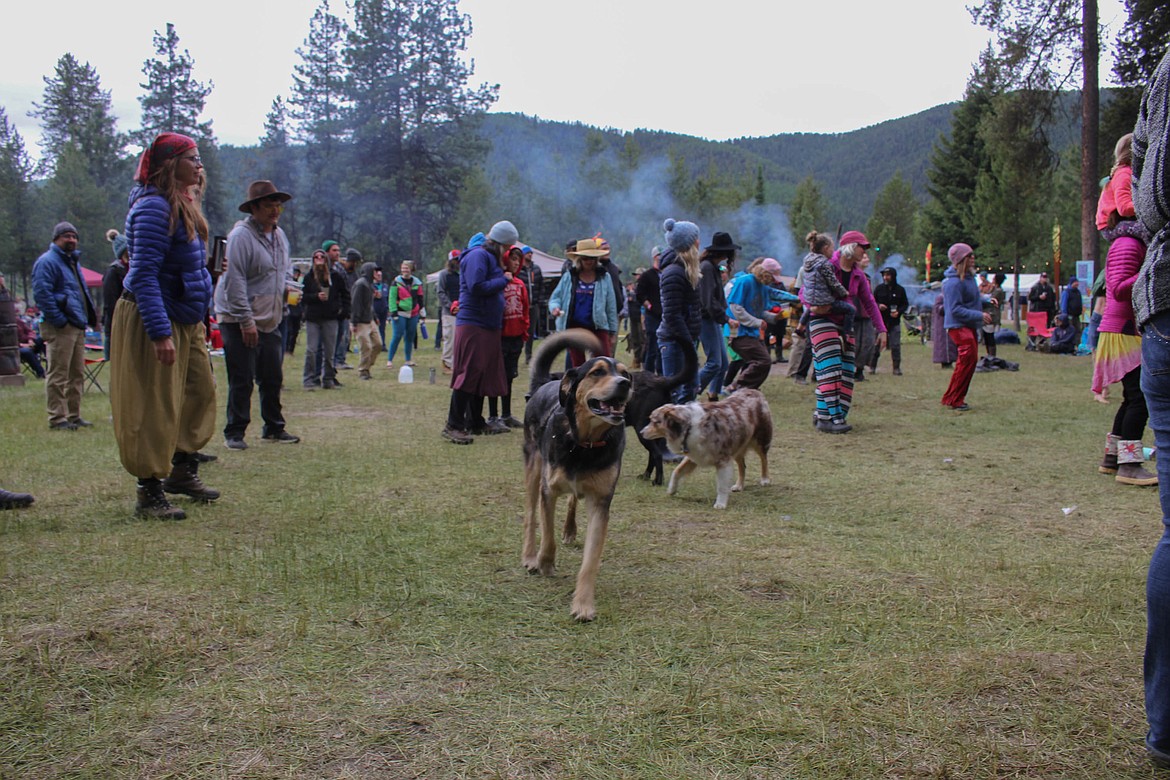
(860, 294)
(481, 290)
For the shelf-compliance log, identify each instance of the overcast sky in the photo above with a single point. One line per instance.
(716, 70)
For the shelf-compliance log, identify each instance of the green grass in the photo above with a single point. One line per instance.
(907, 601)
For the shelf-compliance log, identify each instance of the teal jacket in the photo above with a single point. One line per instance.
(605, 308)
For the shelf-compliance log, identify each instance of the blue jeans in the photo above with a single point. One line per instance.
(1094, 323)
(403, 327)
(672, 363)
(712, 373)
(1156, 388)
(652, 358)
(341, 351)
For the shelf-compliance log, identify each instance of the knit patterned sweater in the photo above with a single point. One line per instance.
(1151, 194)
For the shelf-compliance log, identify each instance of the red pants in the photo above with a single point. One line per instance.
(968, 344)
(577, 357)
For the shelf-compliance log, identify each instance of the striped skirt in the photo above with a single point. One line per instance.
(833, 364)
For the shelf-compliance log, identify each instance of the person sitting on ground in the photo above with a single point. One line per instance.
(1063, 340)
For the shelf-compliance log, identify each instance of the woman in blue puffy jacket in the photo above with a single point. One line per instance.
(161, 388)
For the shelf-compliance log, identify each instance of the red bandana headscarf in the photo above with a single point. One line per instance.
(164, 147)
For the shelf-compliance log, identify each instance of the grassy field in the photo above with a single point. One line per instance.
(908, 601)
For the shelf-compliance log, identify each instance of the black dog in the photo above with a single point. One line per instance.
(650, 391)
(574, 437)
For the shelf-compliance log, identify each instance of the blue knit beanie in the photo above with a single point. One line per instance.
(120, 242)
(681, 236)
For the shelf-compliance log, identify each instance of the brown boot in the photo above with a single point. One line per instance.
(152, 502)
(184, 479)
(1109, 462)
(1129, 465)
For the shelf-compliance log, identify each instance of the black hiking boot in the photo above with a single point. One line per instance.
(152, 502)
(184, 479)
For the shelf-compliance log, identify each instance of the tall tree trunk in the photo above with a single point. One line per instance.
(1089, 126)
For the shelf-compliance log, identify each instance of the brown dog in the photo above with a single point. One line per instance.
(715, 434)
(574, 437)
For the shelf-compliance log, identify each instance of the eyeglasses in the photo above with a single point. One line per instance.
(195, 160)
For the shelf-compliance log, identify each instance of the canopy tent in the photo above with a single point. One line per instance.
(92, 278)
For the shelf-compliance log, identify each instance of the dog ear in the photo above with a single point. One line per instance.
(672, 421)
(568, 382)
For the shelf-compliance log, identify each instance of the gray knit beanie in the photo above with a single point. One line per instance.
(504, 232)
(63, 227)
(681, 236)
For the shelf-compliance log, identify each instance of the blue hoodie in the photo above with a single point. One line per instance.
(962, 306)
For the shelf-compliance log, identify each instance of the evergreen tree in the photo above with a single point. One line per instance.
(173, 100)
(1142, 42)
(1041, 45)
(18, 245)
(316, 113)
(277, 163)
(73, 194)
(957, 162)
(76, 110)
(1011, 226)
(412, 116)
(891, 227)
(808, 210)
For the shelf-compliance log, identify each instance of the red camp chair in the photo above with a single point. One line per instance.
(95, 363)
(1038, 330)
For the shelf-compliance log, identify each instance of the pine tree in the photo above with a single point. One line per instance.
(891, 227)
(172, 102)
(18, 245)
(277, 163)
(807, 212)
(957, 162)
(316, 115)
(412, 116)
(76, 110)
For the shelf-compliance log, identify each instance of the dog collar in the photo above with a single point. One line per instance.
(589, 445)
(687, 435)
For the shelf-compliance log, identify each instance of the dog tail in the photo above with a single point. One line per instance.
(690, 367)
(576, 338)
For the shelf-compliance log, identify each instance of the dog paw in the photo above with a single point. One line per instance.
(568, 539)
(534, 566)
(737, 488)
(720, 504)
(765, 481)
(584, 613)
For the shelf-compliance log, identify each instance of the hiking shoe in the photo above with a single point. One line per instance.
(456, 436)
(512, 422)
(496, 425)
(10, 500)
(79, 422)
(204, 457)
(960, 407)
(235, 444)
(365, 375)
(800, 380)
(152, 502)
(184, 479)
(280, 437)
(832, 426)
(64, 425)
(897, 372)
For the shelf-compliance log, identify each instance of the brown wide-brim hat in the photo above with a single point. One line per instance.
(259, 190)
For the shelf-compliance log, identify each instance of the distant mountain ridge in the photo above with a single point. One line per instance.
(850, 167)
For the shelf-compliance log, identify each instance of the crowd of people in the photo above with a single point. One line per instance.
(159, 294)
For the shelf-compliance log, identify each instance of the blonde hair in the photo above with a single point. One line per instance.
(1123, 151)
(690, 261)
(184, 205)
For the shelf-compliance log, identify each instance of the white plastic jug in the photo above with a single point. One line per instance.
(406, 375)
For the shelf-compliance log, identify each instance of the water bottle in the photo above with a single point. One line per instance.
(406, 375)
(432, 377)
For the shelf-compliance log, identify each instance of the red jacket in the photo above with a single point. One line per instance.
(515, 309)
(1117, 196)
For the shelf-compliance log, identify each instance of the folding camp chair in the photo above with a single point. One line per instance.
(1038, 330)
(95, 363)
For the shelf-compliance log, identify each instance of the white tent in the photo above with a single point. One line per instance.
(549, 265)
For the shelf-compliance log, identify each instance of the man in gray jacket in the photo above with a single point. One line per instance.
(249, 302)
(361, 318)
